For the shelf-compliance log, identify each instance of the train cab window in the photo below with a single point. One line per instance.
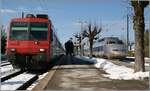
(19, 31)
(51, 35)
(38, 31)
(120, 42)
(19, 24)
(111, 42)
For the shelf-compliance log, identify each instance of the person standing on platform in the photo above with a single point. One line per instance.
(69, 47)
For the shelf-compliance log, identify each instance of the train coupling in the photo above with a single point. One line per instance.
(40, 57)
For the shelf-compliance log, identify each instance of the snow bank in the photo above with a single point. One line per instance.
(146, 64)
(119, 72)
(85, 58)
(116, 71)
(146, 58)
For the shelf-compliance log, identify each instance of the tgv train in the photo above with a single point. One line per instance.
(109, 47)
(32, 42)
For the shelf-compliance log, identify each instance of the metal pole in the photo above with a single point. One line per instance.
(22, 14)
(127, 31)
(81, 50)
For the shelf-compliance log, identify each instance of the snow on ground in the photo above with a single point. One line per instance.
(4, 74)
(146, 58)
(36, 82)
(5, 63)
(115, 71)
(85, 58)
(146, 64)
(6, 68)
(16, 82)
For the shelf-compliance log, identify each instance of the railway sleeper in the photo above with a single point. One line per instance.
(10, 76)
(28, 83)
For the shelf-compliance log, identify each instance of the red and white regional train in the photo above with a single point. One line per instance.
(31, 42)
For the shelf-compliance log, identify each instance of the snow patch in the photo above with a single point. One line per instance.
(16, 82)
(36, 82)
(85, 58)
(6, 68)
(146, 58)
(116, 71)
(146, 64)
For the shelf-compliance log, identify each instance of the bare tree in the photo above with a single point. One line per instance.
(91, 35)
(79, 38)
(146, 42)
(139, 27)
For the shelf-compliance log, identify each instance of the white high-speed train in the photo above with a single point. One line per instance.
(109, 47)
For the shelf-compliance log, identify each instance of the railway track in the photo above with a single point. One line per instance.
(6, 69)
(5, 64)
(42, 83)
(18, 81)
(4, 61)
(10, 74)
(14, 79)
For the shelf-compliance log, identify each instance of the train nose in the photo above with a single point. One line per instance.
(115, 50)
(118, 53)
(118, 50)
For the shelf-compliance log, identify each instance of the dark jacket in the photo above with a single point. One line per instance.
(69, 47)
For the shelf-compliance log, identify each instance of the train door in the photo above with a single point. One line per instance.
(51, 44)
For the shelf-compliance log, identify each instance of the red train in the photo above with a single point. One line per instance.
(31, 42)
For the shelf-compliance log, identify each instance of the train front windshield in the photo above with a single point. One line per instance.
(19, 31)
(115, 42)
(29, 31)
(38, 31)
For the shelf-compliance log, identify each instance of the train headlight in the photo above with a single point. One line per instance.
(42, 50)
(13, 50)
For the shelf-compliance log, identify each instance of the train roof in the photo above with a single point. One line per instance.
(31, 17)
(111, 38)
(108, 38)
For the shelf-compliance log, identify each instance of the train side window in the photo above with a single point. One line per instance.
(111, 42)
(120, 42)
(52, 35)
(101, 48)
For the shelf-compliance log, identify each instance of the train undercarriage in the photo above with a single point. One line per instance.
(24, 62)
